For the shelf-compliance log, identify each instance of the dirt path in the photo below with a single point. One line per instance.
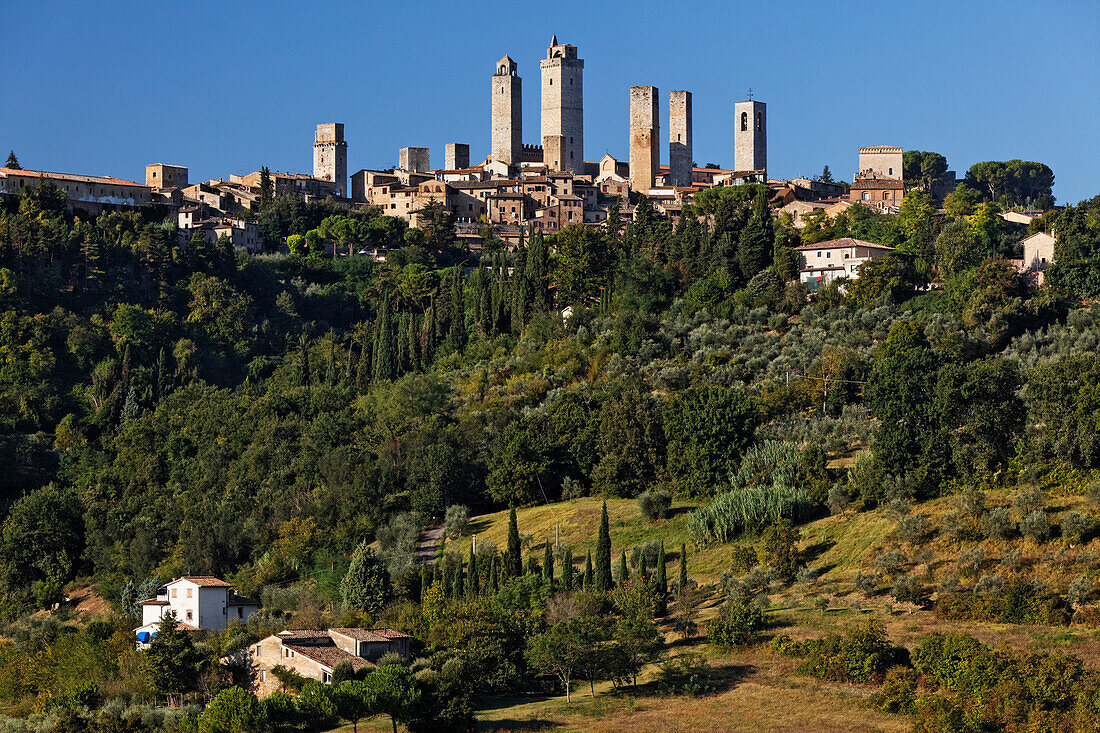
(430, 538)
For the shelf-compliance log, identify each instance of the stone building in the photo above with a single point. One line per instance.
(414, 159)
(562, 108)
(645, 137)
(330, 156)
(880, 161)
(750, 136)
(883, 194)
(507, 113)
(456, 156)
(819, 264)
(198, 602)
(314, 653)
(92, 193)
(159, 175)
(680, 152)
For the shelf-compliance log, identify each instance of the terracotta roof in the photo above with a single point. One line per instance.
(841, 243)
(372, 634)
(328, 655)
(107, 180)
(204, 580)
(154, 602)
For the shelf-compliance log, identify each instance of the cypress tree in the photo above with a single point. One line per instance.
(458, 586)
(425, 581)
(548, 563)
(643, 571)
(473, 583)
(304, 377)
(415, 363)
(496, 570)
(683, 567)
(589, 576)
(624, 571)
(603, 553)
(514, 559)
(437, 574)
(403, 363)
(385, 358)
(363, 373)
(567, 569)
(662, 582)
(457, 335)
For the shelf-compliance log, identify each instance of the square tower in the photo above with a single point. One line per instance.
(680, 154)
(645, 137)
(750, 136)
(881, 161)
(507, 123)
(456, 156)
(415, 160)
(330, 155)
(159, 175)
(563, 106)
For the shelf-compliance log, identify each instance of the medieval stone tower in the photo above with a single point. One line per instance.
(457, 156)
(330, 155)
(679, 138)
(750, 136)
(562, 108)
(645, 137)
(507, 121)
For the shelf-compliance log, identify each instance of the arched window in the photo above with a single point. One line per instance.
(866, 195)
(885, 195)
(744, 121)
(759, 121)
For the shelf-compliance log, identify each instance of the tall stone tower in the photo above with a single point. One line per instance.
(679, 138)
(750, 136)
(562, 108)
(413, 159)
(507, 113)
(330, 155)
(645, 137)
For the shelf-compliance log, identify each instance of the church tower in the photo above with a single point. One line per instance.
(330, 155)
(750, 136)
(507, 113)
(562, 108)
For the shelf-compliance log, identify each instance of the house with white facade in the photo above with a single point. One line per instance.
(1038, 256)
(819, 264)
(198, 602)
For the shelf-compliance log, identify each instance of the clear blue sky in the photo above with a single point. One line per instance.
(104, 88)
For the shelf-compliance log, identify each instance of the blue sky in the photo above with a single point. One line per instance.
(223, 87)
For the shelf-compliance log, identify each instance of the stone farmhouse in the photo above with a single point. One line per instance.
(819, 264)
(92, 193)
(199, 602)
(314, 653)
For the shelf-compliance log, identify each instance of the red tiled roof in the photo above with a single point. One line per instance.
(106, 180)
(328, 655)
(843, 242)
(204, 580)
(372, 634)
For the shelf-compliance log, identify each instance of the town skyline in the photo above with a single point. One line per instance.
(252, 127)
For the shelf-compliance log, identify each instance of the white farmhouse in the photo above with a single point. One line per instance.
(821, 263)
(198, 602)
(1038, 256)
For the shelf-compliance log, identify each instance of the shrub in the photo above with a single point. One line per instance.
(861, 654)
(910, 589)
(684, 674)
(866, 583)
(1017, 602)
(807, 576)
(1029, 501)
(1012, 559)
(890, 563)
(744, 559)
(838, 501)
(1076, 527)
(781, 549)
(997, 523)
(655, 504)
(1088, 616)
(989, 585)
(572, 489)
(1036, 526)
(758, 580)
(456, 521)
(1080, 588)
(914, 530)
(234, 711)
(739, 624)
(898, 693)
(651, 550)
(970, 562)
(1092, 492)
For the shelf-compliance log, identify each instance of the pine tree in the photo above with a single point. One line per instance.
(589, 576)
(385, 356)
(172, 658)
(662, 582)
(757, 238)
(603, 553)
(513, 558)
(473, 582)
(548, 563)
(624, 571)
(567, 569)
(13, 162)
(683, 567)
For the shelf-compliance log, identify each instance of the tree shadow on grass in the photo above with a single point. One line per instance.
(518, 725)
(816, 550)
(478, 525)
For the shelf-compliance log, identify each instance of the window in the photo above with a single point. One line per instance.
(263, 675)
(828, 255)
(325, 677)
(866, 195)
(173, 592)
(551, 82)
(889, 171)
(885, 195)
(744, 121)
(189, 592)
(759, 121)
(188, 615)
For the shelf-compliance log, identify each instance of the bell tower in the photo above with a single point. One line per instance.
(750, 136)
(507, 109)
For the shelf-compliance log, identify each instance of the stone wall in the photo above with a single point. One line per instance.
(563, 106)
(456, 156)
(413, 159)
(883, 161)
(645, 137)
